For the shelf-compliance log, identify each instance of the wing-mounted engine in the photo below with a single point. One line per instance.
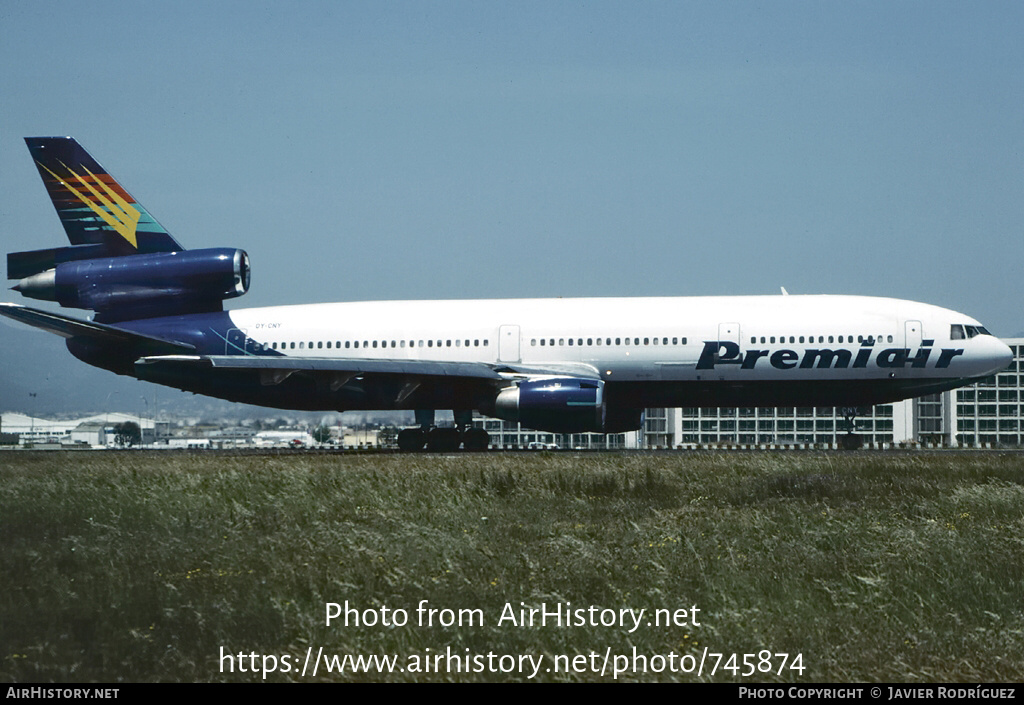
(563, 405)
(144, 285)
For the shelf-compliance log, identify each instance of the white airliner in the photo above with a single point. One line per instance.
(562, 365)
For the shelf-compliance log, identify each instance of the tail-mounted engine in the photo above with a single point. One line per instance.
(143, 286)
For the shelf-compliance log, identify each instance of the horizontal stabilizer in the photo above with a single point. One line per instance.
(25, 264)
(73, 328)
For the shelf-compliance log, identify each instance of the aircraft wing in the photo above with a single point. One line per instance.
(274, 370)
(68, 327)
(287, 365)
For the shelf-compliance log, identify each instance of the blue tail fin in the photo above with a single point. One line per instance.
(93, 207)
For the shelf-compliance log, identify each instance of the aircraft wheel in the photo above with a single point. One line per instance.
(444, 440)
(411, 440)
(476, 440)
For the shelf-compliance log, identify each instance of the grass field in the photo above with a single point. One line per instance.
(136, 566)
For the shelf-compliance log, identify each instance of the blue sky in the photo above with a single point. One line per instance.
(462, 150)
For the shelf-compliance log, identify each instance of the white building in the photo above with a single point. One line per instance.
(32, 430)
(89, 433)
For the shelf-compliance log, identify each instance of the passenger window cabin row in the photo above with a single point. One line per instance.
(379, 344)
(870, 339)
(958, 332)
(582, 342)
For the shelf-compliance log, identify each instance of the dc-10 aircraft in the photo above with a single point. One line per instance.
(559, 365)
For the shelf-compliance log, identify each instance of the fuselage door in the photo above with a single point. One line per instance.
(729, 332)
(508, 344)
(913, 332)
(728, 337)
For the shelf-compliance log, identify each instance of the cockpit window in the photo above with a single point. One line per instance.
(959, 332)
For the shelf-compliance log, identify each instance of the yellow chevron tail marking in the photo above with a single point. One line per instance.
(122, 217)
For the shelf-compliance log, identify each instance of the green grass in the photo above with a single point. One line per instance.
(881, 567)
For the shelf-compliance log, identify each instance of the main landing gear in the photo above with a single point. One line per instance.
(851, 441)
(443, 440)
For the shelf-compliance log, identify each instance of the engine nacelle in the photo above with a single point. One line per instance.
(161, 283)
(564, 405)
(558, 404)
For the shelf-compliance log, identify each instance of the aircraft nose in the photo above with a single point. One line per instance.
(998, 353)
